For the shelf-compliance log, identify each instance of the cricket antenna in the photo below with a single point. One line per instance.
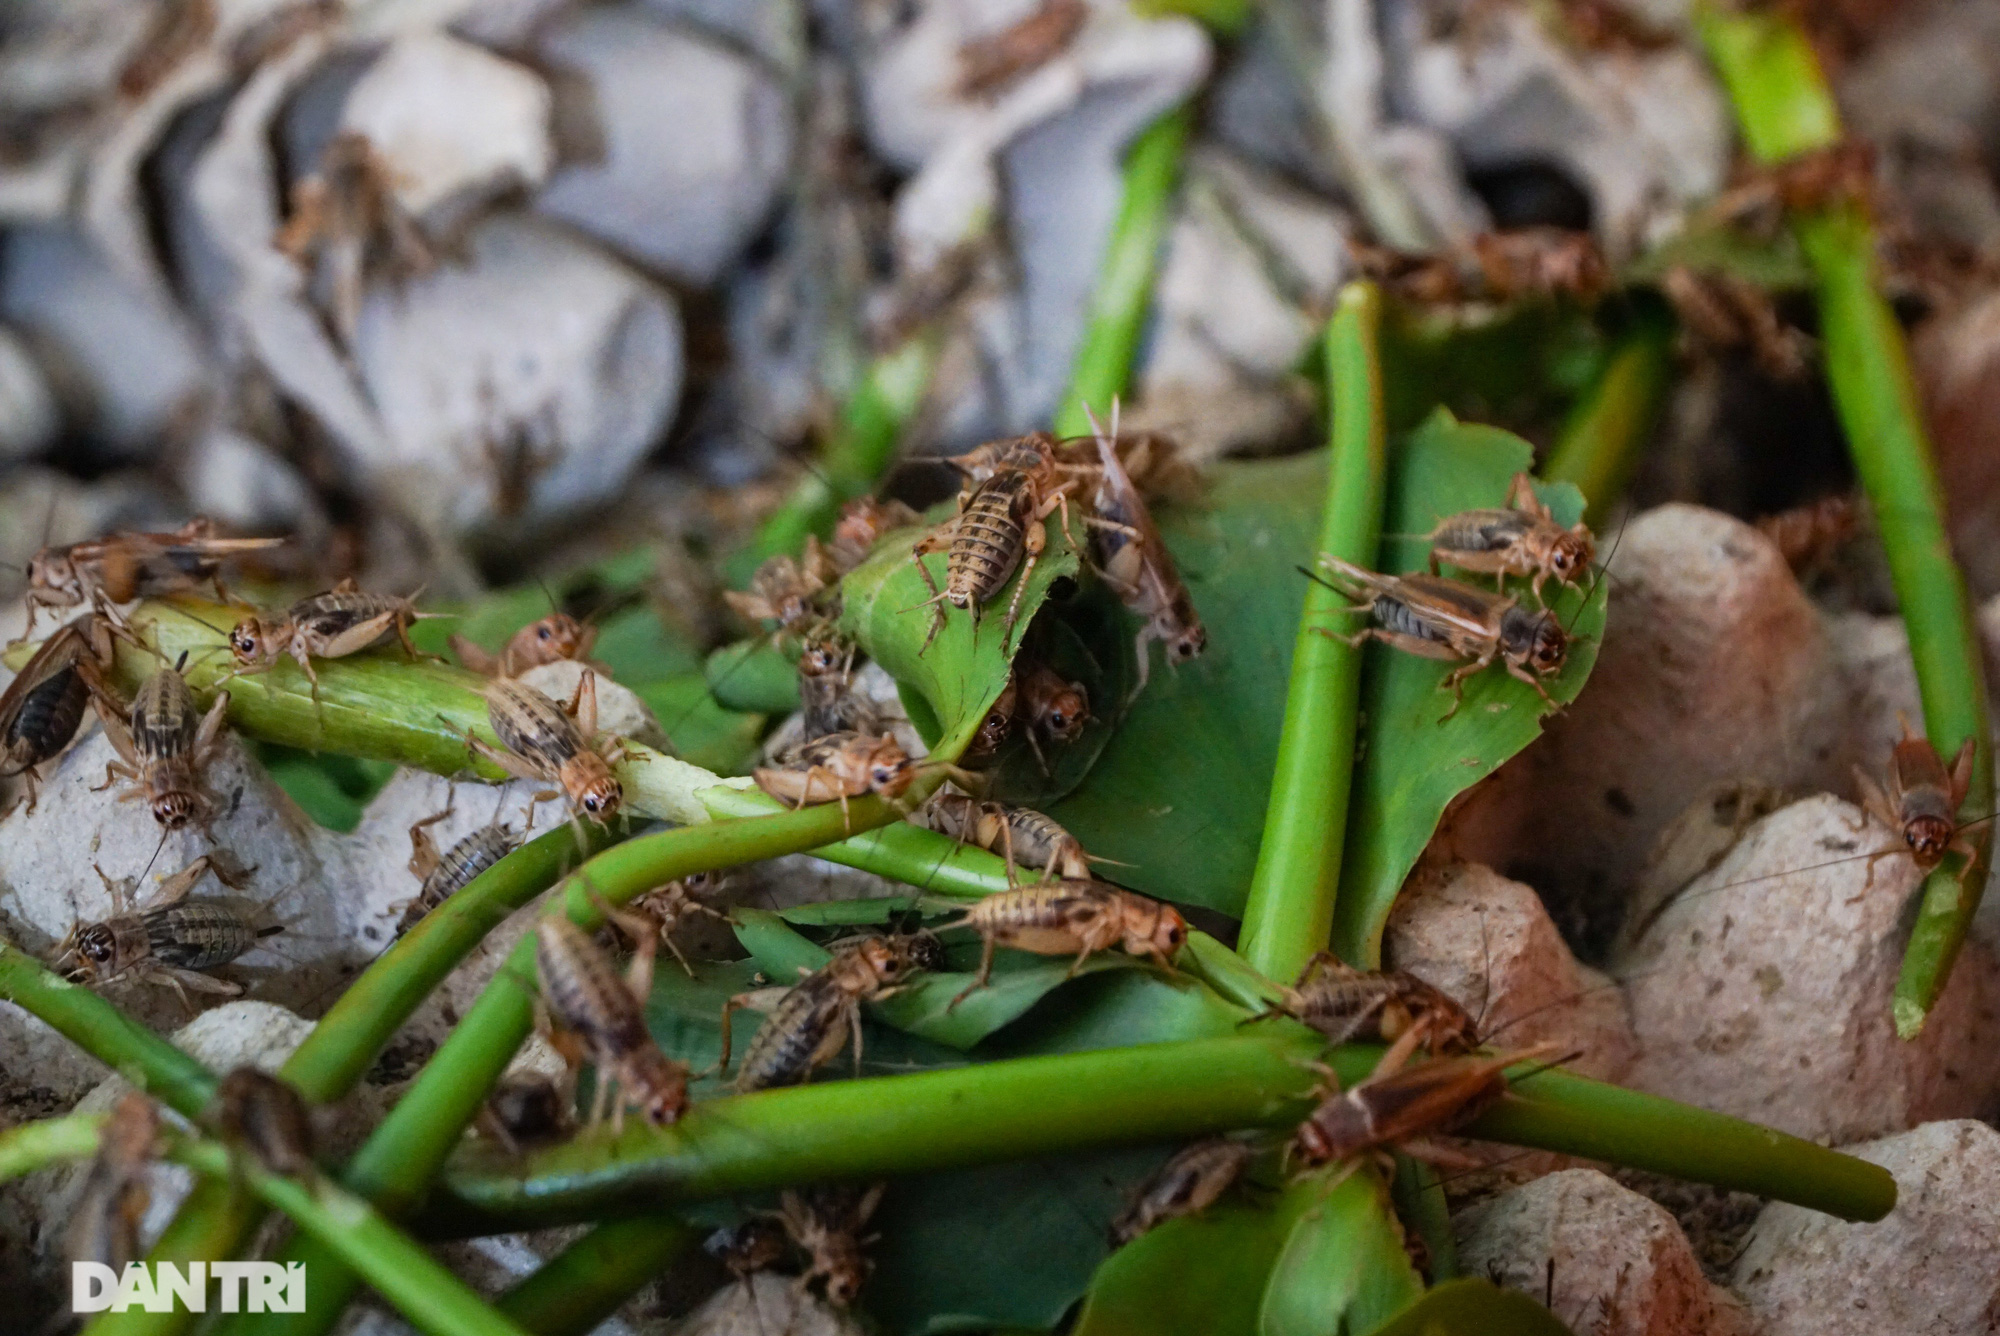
(155, 858)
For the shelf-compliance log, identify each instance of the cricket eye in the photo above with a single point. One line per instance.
(591, 802)
(544, 634)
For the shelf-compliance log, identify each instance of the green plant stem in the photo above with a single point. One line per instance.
(899, 851)
(48, 1141)
(860, 451)
(1419, 1197)
(1124, 290)
(1785, 108)
(131, 1050)
(435, 1301)
(1289, 914)
(395, 1165)
(1608, 429)
(586, 1282)
(1025, 1107)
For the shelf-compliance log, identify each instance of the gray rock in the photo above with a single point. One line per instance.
(455, 124)
(238, 481)
(1955, 357)
(1764, 989)
(1488, 943)
(29, 416)
(1931, 1268)
(527, 384)
(1715, 668)
(683, 203)
(1605, 1259)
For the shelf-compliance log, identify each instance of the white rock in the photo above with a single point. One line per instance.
(693, 143)
(29, 418)
(242, 482)
(619, 709)
(1488, 943)
(766, 1298)
(136, 358)
(46, 859)
(1931, 1268)
(455, 124)
(1955, 358)
(1764, 989)
(1714, 668)
(775, 30)
(541, 357)
(1607, 1260)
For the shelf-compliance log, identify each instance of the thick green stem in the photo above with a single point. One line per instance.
(1289, 914)
(1785, 109)
(860, 451)
(1607, 431)
(1124, 292)
(38, 1145)
(1028, 1107)
(394, 1167)
(586, 1282)
(106, 1033)
(436, 1302)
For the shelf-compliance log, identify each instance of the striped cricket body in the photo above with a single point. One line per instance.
(588, 999)
(332, 625)
(540, 739)
(127, 566)
(1060, 917)
(809, 1023)
(1521, 539)
(997, 531)
(172, 941)
(1188, 1184)
(43, 706)
(164, 745)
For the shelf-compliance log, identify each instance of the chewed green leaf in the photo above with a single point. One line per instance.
(1343, 1267)
(886, 607)
(1413, 764)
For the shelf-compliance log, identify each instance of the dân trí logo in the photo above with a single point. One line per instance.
(161, 1287)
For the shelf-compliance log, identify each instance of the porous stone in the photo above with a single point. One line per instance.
(1930, 1268)
(1765, 988)
(1489, 943)
(684, 203)
(1604, 1258)
(1715, 668)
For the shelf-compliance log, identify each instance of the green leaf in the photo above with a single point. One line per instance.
(1180, 790)
(1412, 764)
(1472, 1306)
(330, 788)
(962, 671)
(751, 675)
(1343, 1267)
(1197, 1276)
(703, 732)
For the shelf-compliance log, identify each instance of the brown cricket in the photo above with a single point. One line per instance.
(128, 566)
(332, 625)
(164, 746)
(863, 523)
(43, 706)
(1808, 535)
(837, 767)
(560, 744)
(1021, 836)
(169, 940)
(1188, 1184)
(104, 1224)
(265, 1118)
(1919, 800)
(826, 1223)
(754, 1245)
(1522, 539)
(808, 1024)
(597, 1014)
(553, 639)
(665, 906)
(1402, 1107)
(990, 63)
(1540, 262)
(1138, 567)
(1053, 708)
(346, 219)
(1439, 618)
(997, 726)
(1346, 1004)
(786, 590)
(1061, 917)
(997, 531)
(827, 699)
(525, 1111)
(442, 875)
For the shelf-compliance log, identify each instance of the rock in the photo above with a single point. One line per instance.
(1715, 668)
(1488, 943)
(527, 384)
(1931, 1268)
(775, 30)
(29, 416)
(1956, 358)
(456, 125)
(1764, 989)
(1696, 840)
(1645, 133)
(1605, 1259)
(619, 709)
(1250, 269)
(51, 887)
(766, 1302)
(683, 203)
(134, 357)
(242, 482)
